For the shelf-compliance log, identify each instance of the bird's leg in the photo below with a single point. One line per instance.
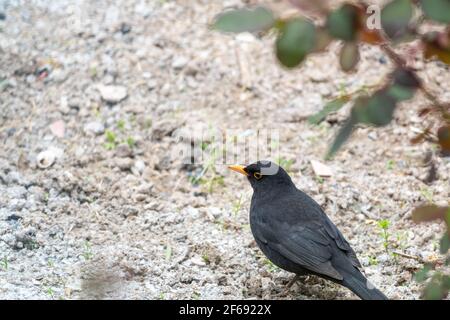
(290, 284)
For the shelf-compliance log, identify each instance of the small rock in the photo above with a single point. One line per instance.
(125, 28)
(198, 261)
(64, 105)
(75, 103)
(373, 135)
(95, 127)
(154, 205)
(17, 192)
(152, 84)
(123, 163)
(179, 62)
(145, 188)
(193, 212)
(139, 197)
(138, 168)
(47, 158)
(164, 128)
(113, 94)
(320, 169)
(123, 151)
(14, 177)
(215, 212)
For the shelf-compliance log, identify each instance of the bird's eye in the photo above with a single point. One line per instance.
(257, 175)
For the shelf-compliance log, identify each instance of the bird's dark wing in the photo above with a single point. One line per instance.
(342, 244)
(309, 248)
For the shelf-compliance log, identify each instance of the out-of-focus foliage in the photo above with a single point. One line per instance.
(438, 283)
(245, 20)
(352, 24)
(295, 40)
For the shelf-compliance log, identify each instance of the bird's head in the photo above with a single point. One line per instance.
(264, 175)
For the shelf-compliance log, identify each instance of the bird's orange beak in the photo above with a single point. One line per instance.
(239, 169)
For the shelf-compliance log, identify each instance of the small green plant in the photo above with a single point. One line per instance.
(390, 164)
(50, 292)
(436, 277)
(237, 205)
(427, 194)
(121, 125)
(384, 226)
(93, 72)
(206, 259)
(319, 179)
(285, 163)
(111, 140)
(270, 265)
(131, 142)
(168, 253)
(87, 253)
(373, 261)
(208, 176)
(4, 263)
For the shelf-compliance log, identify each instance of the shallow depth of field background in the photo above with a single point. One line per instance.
(94, 205)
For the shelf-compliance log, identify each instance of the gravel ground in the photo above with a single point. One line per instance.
(94, 203)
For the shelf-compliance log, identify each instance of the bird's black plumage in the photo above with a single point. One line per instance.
(295, 234)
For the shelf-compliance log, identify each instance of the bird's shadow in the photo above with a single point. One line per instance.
(308, 287)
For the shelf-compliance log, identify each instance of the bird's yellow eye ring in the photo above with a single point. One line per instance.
(257, 175)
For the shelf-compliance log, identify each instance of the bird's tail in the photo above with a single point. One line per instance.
(362, 287)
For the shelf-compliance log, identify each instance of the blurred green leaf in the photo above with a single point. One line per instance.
(377, 109)
(343, 23)
(444, 243)
(295, 41)
(323, 39)
(406, 78)
(400, 93)
(332, 106)
(344, 133)
(404, 84)
(435, 289)
(349, 56)
(422, 274)
(395, 18)
(244, 20)
(446, 282)
(437, 10)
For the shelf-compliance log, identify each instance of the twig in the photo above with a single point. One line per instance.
(395, 57)
(400, 62)
(409, 256)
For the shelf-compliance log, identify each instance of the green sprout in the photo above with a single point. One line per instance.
(373, 261)
(111, 140)
(270, 265)
(390, 164)
(87, 253)
(384, 226)
(285, 163)
(237, 205)
(4, 263)
(121, 125)
(131, 142)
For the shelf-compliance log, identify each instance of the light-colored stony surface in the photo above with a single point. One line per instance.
(121, 219)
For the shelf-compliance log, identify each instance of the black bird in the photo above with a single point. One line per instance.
(295, 234)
